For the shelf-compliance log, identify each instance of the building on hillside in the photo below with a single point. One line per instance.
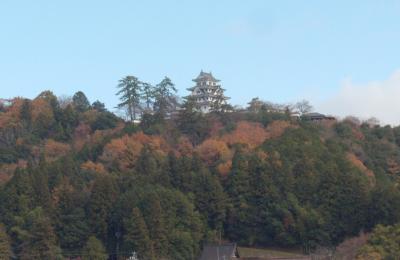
(207, 94)
(5, 102)
(220, 252)
(316, 117)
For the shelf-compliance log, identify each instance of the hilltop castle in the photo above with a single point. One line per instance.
(207, 94)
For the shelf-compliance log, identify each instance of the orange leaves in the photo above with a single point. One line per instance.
(81, 135)
(93, 167)
(212, 151)
(123, 152)
(277, 128)
(393, 166)
(252, 134)
(225, 168)
(12, 115)
(54, 150)
(184, 147)
(360, 165)
(41, 108)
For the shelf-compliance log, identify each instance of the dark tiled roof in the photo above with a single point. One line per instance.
(219, 252)
(205, 76)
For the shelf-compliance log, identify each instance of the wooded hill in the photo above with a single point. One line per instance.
(78, 181)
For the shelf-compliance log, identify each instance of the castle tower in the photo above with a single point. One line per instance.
(208, 94)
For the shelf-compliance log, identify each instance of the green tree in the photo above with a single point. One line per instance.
(192, 123)
(130, 92)
(39, 241)
(94, 250)
(99, 106)
(165, 99)
(101, 201)
(210, 199)
(157, 228)
(383, 242)
(5, 245)
(137, 236)
(148, 95)
(80, 102)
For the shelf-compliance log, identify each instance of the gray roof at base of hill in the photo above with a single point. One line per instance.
(219, 252)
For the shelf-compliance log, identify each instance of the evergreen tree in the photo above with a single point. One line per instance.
(5, 244)
(148, 95)
(99, 106)
(137, 236)
(39, 241)
(71, 224)
(210, 199)
(130, 92)
(157, 228)
(94, 250)
(80, 102)
(41, 186)
(165, 99)
(101, 201)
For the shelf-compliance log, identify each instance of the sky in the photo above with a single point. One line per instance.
(342, 56)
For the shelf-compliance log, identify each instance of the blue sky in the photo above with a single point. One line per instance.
(281, 51)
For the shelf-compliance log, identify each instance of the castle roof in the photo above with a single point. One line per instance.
(204, 76)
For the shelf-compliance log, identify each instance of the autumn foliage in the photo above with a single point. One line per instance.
(123, 152)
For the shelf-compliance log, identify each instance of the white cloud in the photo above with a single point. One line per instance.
(380, 99)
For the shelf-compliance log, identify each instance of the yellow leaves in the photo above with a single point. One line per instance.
(54, 150)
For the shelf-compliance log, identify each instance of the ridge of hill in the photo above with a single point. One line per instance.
(75, 177)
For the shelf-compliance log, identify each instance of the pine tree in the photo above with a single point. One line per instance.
(130, 92)
(5, 245)
(40, 240)
(157, 229)
(165, 100)
(101, 201)
(94, 250)
(148, 95)
(80, 101)
(41, 186)
(137, 236)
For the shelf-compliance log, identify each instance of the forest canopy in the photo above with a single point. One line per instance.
(77, 180)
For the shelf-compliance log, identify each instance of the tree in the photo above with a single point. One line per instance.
(100, 203)
(5, 246)
(99, 106)
(303, 107)
(165, 99)
(130, 92)
(255, 105)
(147, 95)
(80, 102)
(137, 235)
(94, 249)
(383, 242)
(192, 123)
(39, 241)
(157, 229)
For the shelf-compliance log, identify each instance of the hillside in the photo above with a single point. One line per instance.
(75, 179)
